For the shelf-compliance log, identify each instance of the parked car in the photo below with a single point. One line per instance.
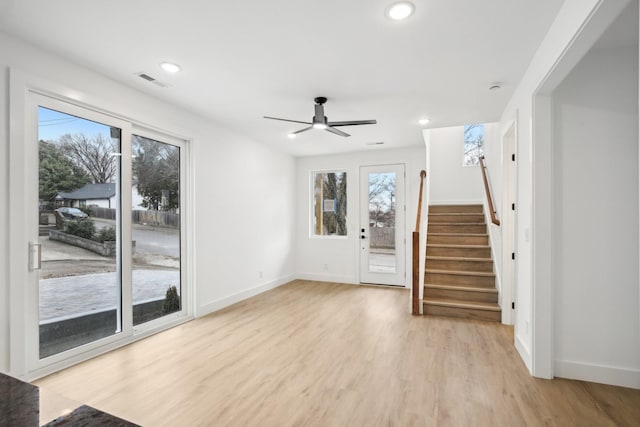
(71, 213)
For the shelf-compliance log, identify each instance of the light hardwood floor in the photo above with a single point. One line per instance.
(322, 354)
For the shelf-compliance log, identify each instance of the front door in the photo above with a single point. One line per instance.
(381, 231)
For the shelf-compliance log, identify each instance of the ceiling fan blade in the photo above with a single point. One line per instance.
(336, 131)
(301, 130)
(286, 120)
(353, 123)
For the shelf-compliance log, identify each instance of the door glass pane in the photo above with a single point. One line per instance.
(155, 217)
(382, 222)
(79, 284)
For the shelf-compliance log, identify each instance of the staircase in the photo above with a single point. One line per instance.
(459, 278)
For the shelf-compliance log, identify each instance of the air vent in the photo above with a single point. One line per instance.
(153, 80)
(147, 77)
(375, 143)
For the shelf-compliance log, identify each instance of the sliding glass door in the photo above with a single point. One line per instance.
(80, 285)
(156, 228)
(105, 228)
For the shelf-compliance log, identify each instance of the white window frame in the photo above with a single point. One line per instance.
(25, 93)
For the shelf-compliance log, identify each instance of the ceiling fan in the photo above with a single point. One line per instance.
(319, 120)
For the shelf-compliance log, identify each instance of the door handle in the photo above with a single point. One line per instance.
(35, 256)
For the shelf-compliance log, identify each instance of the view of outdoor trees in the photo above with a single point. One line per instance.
(80, 218)
(58, 172)
(473, 144)
(156, 168)
(382, 207)
(330, 203)
(93, 154)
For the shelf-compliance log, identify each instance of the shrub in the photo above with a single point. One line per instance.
(171, 301)
(107, 234)
(84, 228)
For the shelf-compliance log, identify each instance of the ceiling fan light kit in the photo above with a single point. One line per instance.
(319, 121)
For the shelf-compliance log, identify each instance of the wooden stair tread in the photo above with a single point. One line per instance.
(462, 304)
(458, 223)
(462, 273)
(458, 234)
(443, 245)
(461, 288)
(458, 258)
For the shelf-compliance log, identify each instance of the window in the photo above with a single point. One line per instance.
(473, 144)
(329, 204)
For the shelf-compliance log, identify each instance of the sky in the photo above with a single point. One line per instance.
(53, 124)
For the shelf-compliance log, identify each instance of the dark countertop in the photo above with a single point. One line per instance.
(23, 404)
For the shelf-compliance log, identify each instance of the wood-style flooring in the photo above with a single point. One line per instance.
(324, 354)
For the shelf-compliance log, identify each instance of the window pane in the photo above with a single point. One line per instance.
(382, 222)
(79, 285)
(155, 201)
(473, 144)
(329, 204)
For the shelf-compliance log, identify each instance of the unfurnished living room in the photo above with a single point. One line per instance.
(319, 213)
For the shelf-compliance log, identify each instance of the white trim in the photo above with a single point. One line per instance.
(509, 221)
(597, 373)
(524, 352)
(221, 303)
(541, 241)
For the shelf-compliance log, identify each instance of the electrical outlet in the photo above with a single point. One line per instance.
(260, 274)
(326, 266)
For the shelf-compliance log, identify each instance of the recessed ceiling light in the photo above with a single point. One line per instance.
(291, 135)
(170, 67)
(400, 10)
(424, 121)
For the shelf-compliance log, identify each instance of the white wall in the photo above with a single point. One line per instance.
(243, 192)
(566, 42)
(452, 183)
(341, 255)
(571, 17)
(595, 223)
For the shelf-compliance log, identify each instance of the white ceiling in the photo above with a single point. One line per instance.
(242, 60)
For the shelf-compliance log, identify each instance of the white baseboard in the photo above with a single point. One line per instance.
(623, 377)
(221, 303)
(327, 278)
(524, 353)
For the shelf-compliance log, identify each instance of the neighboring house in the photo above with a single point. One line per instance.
(101, 195)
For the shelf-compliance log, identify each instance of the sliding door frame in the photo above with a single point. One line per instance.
(26, 92)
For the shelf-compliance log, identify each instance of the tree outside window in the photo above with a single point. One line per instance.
(473, 144)
(329, 204)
